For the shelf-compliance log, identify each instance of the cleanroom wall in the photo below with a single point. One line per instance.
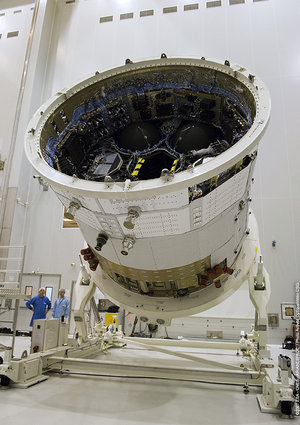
(93, 35)
(15, 24)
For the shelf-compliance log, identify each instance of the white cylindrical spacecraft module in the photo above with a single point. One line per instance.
(155, 160)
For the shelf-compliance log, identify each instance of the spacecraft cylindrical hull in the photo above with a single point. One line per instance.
(155, 162)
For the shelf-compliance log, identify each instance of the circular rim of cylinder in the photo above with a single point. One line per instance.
(140, 188)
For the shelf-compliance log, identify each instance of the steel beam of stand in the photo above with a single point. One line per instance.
(186, 343)
(104, 368)
(198, 358)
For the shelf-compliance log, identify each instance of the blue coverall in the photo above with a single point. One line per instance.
(61, 307)
(40, 305)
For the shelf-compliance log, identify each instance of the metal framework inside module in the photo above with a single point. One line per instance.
(144, 122)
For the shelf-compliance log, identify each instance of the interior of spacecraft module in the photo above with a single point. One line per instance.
(138, 123)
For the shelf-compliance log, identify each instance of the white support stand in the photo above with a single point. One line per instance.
(84, 290)
(260, 370)
(256, 368)
(260, 291)
(277, 395)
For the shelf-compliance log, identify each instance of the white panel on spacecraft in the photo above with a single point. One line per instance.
(154, 160)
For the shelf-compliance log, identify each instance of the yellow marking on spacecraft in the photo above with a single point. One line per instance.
(138, 166)
(173, 168)
(111, 319)
(218, 277)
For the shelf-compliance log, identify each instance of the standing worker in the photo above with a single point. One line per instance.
(40, 305)
(61, 306)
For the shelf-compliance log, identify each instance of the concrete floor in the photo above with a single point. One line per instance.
(74, 399)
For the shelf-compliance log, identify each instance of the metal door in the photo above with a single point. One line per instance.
(51, 282)
(31, 283)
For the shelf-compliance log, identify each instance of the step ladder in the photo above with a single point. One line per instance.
(11, 271)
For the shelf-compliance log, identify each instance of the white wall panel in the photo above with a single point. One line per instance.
(12, 54)
(290, 88)
(265, 38)
(50, 248)
(287, 16)
(239, 27)
(274, 149)
(296, 235)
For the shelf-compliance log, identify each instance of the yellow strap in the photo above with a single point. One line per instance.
(138, 167)
(174, 164)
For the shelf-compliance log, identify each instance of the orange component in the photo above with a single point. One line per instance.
(211, 274)
(204, 282)
(36, 349)
(94, 265)
(219, 269)
(92, 260)
(228, 270)
(218, 284)
(87, 257)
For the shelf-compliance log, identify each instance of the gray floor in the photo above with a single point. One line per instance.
(114, 401)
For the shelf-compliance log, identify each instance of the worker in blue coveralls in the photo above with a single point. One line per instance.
(61, 306)
(40, 305)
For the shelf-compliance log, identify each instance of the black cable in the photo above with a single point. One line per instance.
(134, 325)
